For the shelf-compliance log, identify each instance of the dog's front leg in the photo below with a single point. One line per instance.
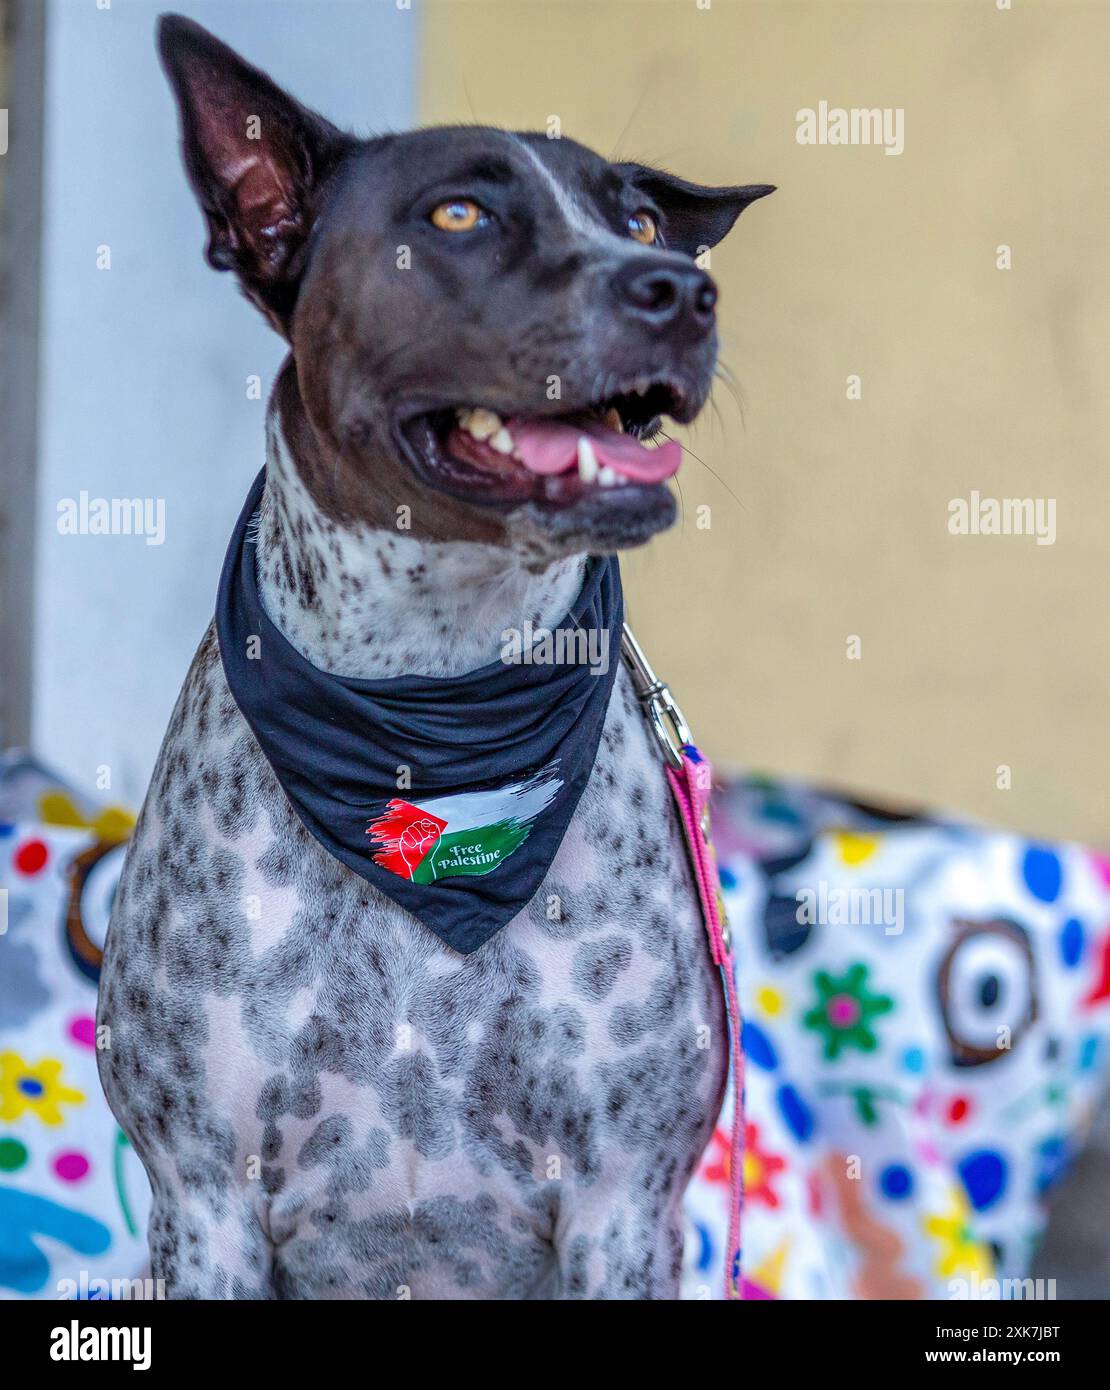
(617, 1246)
(202, 1248)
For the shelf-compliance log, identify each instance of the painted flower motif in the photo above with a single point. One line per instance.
(759, 1168)
(959, 1252)
(715, 1165)
(37, 1088)
(759, 1165)
(844, 1010)
(865, 1099)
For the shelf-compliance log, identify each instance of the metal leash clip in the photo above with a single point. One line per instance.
(668, 725)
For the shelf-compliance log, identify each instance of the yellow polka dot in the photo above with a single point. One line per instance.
(770, 1001)
(855, 849)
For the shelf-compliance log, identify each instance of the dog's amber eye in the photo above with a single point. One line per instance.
(642, 228)
(459, 215)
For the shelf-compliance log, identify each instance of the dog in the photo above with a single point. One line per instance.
(329, 1102)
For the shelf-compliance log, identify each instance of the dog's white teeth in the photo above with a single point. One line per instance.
(613, 419)
(482, 424)
(607, 478)
(488, 427)
(587, 459)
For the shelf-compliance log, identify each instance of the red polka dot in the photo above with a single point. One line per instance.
(959, 1110)
(71, 1167)
(31, 856)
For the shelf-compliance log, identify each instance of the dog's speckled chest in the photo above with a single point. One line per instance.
(330, 1102)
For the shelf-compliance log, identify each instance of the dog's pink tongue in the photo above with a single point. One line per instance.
(551, 446)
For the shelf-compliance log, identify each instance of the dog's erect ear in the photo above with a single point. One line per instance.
(257, 161)
(696, 217)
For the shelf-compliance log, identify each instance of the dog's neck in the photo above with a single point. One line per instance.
(370, 603)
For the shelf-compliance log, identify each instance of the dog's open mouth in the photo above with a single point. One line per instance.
(554, 460)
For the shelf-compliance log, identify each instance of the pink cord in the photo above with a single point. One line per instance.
(690, 786)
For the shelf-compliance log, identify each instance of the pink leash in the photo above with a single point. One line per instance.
(691, 777)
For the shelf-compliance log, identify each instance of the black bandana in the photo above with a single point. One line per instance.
(497, 759)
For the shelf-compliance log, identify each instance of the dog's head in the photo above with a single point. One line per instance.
(486, 327)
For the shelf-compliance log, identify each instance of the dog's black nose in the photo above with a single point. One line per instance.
(665, 296)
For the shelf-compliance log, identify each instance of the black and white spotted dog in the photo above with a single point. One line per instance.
(330, 1102)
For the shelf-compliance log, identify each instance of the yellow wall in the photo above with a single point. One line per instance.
(977, 651)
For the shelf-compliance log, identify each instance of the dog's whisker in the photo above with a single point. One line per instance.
(716, 409)
(723, 369)
(728, 379)
(628, 124)
(681, 506)
(469, 99)
(738, 400)
(725, 372)
(686, 449)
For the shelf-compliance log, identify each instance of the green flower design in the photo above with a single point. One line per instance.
(844, 1010)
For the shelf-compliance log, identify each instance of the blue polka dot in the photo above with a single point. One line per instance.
(913, 1059)
(728, 878)
(1071, 942)
(1054, 1159)
(1089, 1050)
(984, 1176)
(707, 1256)
(1042, 873)
(795, 1112)
(6, 829)
(896, 1181)
(29, 1086)
(758, 1047)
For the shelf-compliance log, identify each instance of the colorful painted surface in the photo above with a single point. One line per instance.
(927, 1025)
(927, 1029)
(73, 1196)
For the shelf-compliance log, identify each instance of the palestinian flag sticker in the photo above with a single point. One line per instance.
(468, 833)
